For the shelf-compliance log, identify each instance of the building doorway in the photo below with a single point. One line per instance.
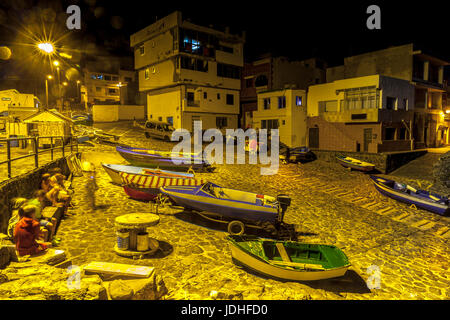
(314, 138)
(367, 139)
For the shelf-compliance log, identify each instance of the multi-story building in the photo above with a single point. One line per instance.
(425, 72)
(365, 114)
(274, 73)
(189, 72)
(107, 88)
(284, 110)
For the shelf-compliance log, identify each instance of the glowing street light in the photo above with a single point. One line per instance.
(47, 47)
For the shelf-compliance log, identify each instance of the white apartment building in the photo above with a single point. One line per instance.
(189, 73)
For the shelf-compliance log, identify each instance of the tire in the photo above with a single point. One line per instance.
(236, 227)
(147, 135)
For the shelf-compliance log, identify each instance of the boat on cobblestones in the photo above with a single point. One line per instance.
(229, 203)
(420, 198)
(163, 159)
(114, 171)
(147, 187)
(288, 260)
(355, 164)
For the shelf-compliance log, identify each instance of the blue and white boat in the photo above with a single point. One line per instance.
(163, 159)
(230, 203)
(420, 198)
(114, 171)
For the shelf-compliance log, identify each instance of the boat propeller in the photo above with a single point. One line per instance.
(284, 202)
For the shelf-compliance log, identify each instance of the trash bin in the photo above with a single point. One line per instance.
(123, 239)
(142, 241)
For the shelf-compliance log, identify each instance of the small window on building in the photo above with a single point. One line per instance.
(218, 96)
(159, 118)
(298, 101)
(107, 78)
(115, 78)
(389, 133)
(405, 104)
(266, 103)
(147, 74)
(221, 122)
(230, 99)
(170, 120)
(283, 122)
(281, 102)
(391, 103)
(205, 95)
(190, 97)
(142, 50)
(402, 134)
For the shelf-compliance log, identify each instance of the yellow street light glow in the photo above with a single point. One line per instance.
(56, 63)
(46, 47)
(447, 111)
(64, 83)
(49, 77)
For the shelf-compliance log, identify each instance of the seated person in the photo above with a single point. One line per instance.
(27, 232)
(39, 202)
(45, 182)
(17, 203)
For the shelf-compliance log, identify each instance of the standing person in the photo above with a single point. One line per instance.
(91, 185)
(27, 232)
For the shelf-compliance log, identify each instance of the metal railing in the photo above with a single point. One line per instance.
(36, 152)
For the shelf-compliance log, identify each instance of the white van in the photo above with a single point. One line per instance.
(159, 130)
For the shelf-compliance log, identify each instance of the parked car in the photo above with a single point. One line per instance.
(158, 129)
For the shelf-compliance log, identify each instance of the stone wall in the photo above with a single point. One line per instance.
(24, 186)
(384, 162)
(441, 170)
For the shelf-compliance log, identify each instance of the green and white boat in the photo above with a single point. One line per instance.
(288, 260)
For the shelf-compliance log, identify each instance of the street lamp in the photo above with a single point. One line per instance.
(78, 90)
(56, 64)
(46, 89)
(47, 47)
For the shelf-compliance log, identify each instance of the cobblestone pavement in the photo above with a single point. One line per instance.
(330, 204)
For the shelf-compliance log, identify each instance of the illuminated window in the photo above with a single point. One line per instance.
(142, 50)
(100, 77)
(147, 74)
(266, 103)
(298, 101)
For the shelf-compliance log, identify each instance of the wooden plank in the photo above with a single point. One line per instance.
(401, 217)
(371, 204)
(119, 269)
(283, 253)
(443, 232)
(386, 210)
(297, 264)
(424, 224)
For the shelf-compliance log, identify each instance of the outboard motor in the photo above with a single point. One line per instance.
(284, 202)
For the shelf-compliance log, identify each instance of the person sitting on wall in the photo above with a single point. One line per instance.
(45, 183)
(39, 202)
(17, 203)
(27, 233)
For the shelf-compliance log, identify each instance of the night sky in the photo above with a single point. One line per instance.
(331, 30)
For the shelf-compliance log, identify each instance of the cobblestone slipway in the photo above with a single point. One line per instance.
(409, 248)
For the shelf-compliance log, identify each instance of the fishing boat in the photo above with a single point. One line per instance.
(420, 198)
(163, 159)
(230, 203)
(114, 170)
(288, 260)
(147, 187)
(355, 164)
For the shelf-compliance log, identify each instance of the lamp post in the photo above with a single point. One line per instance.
(78, 90)
(46, 89)
(56, 64)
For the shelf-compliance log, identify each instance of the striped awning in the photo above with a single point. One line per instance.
(148, 181)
